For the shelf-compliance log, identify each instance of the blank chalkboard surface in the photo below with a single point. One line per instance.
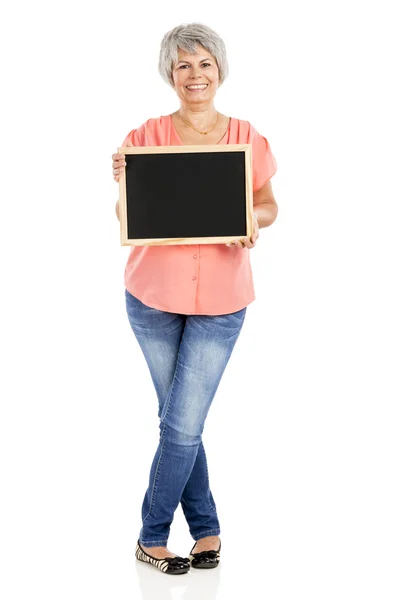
(186, 194)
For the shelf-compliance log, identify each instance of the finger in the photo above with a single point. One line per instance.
(118, 157)
(118, 171)
(119, 163)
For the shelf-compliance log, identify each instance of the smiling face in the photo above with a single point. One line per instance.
(196, 76)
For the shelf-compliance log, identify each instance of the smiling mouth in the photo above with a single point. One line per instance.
(197, 88)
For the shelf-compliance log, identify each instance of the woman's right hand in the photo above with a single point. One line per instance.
(118, 165)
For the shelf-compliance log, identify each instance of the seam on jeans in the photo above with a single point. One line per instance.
(153, 542)
(156, 478)
(154, 490)
(213, 508)
(207, 533)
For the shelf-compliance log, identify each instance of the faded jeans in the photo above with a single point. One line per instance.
(186, 356)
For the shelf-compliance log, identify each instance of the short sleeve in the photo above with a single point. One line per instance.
(134, 138)
(264, 163)
(130, 139)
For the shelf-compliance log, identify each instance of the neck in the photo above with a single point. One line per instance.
(200, 117)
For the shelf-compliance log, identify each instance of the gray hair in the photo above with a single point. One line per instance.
(186, 37)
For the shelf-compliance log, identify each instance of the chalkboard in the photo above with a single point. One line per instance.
(186, 194)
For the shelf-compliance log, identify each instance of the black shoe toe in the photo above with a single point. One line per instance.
(208, 559)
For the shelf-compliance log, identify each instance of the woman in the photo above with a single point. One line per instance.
(186, 303)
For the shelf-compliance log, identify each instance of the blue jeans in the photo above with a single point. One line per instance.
(186, 356)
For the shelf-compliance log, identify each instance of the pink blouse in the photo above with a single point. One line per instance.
(198, 279)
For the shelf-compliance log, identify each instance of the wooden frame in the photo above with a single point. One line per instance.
(126, 150)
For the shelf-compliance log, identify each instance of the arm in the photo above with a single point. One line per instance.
(118, 166)
(264, 205)
(265, 210)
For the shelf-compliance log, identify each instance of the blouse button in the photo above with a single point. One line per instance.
(194, 255)
(194, 277)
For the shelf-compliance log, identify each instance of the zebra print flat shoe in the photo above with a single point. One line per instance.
(170, 565)
(208, 559)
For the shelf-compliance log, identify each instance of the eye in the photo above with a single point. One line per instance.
(203, 65)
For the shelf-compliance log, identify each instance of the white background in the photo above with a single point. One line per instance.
(303, 434)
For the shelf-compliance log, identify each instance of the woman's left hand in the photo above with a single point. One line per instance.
(246, 242)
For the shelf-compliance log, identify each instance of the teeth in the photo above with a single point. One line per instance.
(196, 87)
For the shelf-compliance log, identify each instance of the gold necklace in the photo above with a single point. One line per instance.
(202, 132)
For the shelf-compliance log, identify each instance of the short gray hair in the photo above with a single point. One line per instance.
(186, 37)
